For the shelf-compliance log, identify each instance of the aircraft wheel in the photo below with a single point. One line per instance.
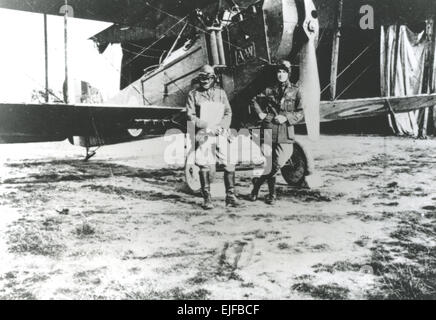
(296, 168)
(192, 178)
(135, 133)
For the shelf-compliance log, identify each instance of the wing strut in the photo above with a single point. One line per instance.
(67, 89)
(46, 59)
(335, 52)
(69, 96)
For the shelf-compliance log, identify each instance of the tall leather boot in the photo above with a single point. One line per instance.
(271, 198)
(229, 182)
(257, 183)
(205, 190)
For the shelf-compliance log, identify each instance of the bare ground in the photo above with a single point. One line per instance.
(121, 226)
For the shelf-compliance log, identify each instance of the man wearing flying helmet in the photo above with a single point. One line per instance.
(208, 107)
(279, 109)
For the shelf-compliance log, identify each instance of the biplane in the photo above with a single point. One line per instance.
(242, 39)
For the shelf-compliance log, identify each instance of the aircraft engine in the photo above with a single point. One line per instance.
(283, 22)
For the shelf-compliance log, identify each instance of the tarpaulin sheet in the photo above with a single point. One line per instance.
(403, 60)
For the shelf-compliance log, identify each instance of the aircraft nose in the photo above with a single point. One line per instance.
(281, 19)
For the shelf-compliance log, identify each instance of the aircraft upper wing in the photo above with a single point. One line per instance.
(59, 121)
(370, 107)
(128, 12)
(151, 13)
(385, 12)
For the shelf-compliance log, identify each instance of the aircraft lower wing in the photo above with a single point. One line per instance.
(370, 107)
(56, 122)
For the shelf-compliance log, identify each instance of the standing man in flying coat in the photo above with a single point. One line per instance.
(208, 107)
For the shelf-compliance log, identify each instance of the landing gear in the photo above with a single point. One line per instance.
(300, 170)
(135, 133)
(297, 168)
(90, 153)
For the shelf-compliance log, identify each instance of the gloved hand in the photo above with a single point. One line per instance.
(219, 131)
(262, 115)
(210, 131)
(280, 119)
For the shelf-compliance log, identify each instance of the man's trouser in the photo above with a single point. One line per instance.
(219, 148)
(281, 152)
(280, 155)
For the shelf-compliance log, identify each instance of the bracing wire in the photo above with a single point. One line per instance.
(354, 81)
(151, 45)
(350, 64)
(197, 28)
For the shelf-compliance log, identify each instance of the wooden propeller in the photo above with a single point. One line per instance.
(309, 77)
